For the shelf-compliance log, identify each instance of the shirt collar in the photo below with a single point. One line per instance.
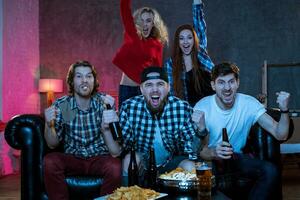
(93, 103)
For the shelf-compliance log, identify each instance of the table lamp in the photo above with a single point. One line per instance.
(50, 86)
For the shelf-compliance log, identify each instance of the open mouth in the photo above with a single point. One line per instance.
(186, 49)
(84, 87)
(145, 31)
(155, 100)
(227, 96)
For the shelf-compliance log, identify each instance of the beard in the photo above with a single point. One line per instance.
(83, 93)
(159, 109)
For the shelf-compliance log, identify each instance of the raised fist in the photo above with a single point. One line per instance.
(283, 100)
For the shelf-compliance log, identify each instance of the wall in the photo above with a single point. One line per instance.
(1, 52)
(20, 58)
(249, 32)
(71, 30)
(245, 32)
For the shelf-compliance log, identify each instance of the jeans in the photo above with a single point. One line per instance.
(264, 175)
(59, 165)
(126, 92)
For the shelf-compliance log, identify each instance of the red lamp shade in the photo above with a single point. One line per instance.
(50, 86)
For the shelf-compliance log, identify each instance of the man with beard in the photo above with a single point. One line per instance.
(79, 121)
(237, 113)
(155, 119)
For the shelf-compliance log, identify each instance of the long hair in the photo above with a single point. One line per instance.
(71, 74)
(159, 30)
(178, 63)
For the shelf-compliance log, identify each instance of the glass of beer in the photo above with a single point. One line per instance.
(204, 174)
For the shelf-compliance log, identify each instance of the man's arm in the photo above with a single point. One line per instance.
(279, 130)
(50, 132)
(113, 146)
(207, 153)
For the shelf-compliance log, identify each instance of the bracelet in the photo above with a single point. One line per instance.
(285, 111)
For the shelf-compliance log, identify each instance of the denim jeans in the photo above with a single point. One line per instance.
(126, 92)
(264, 175)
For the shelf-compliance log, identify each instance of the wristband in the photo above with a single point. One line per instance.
(284, 111)
(202, 133)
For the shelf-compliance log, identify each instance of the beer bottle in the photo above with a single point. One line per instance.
(133, 171)
(115, 128)
(152, 170)
(227, 162)
(225, 135)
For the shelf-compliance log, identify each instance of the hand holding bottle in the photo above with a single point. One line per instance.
(111, 120)
(224, 150)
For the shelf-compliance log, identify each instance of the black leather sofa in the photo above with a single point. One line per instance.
(25, 132)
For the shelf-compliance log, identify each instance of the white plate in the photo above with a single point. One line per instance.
(105, 197)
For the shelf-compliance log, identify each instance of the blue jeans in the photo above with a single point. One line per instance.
(265, 176)
(126, 92)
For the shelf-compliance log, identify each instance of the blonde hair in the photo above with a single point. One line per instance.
(159, 30)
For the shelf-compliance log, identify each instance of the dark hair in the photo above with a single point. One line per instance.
(71, 73)
(178, 67)
(223, 69)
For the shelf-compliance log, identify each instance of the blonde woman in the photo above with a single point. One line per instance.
(144, 38)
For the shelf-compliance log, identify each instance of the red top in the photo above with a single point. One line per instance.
(136, 54)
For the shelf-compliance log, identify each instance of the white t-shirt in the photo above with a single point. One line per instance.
(238, 120)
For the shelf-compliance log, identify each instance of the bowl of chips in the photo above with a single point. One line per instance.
(133, 192)
(181, 179)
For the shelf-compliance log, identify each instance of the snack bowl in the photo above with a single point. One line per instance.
(183, 185)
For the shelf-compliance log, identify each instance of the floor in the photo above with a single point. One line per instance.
(10, 185)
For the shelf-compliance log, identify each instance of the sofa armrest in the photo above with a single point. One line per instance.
(262, 144)
(26, 132)
(14, 129)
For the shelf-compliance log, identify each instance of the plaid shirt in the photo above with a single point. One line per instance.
(80, 131)
(204, 59)
(174, 123)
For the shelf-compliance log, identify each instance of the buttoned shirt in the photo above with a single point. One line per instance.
(80, 130)
(203, 57)
(174, 123)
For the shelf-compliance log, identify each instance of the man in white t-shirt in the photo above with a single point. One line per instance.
(237, 113)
